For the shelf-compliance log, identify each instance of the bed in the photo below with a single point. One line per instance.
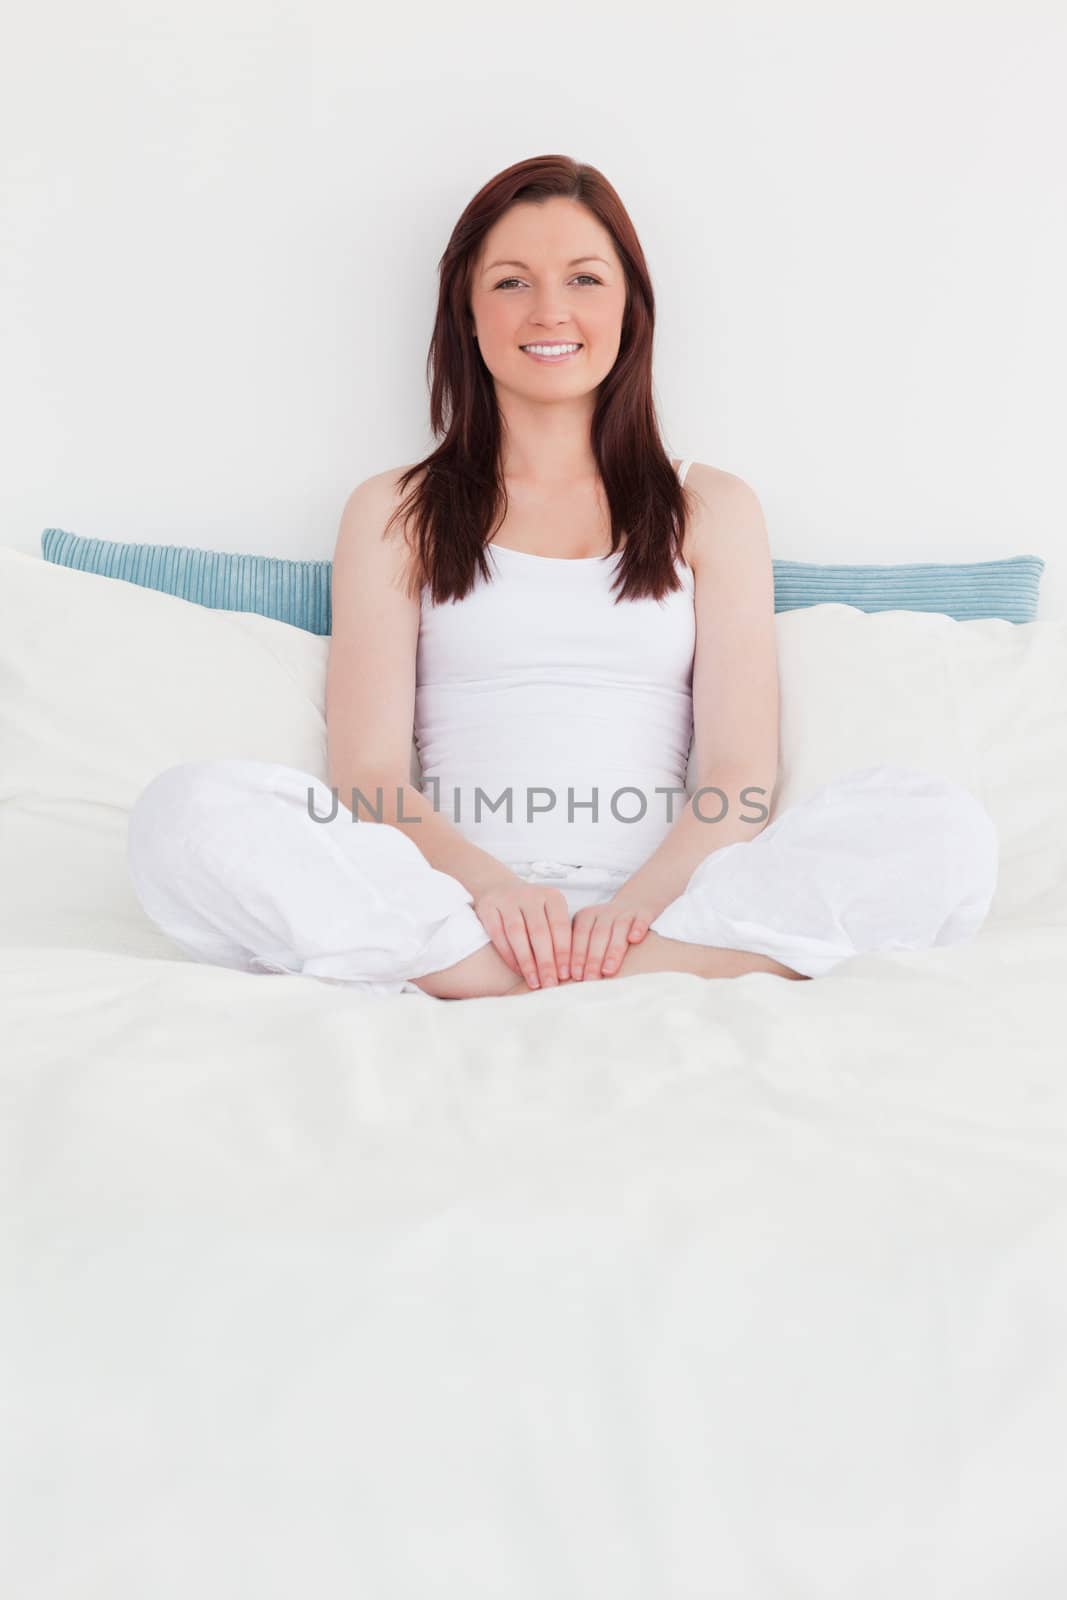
(656, 1288)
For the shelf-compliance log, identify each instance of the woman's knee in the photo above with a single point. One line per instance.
(183, 807)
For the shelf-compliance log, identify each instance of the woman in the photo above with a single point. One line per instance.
(557, 608)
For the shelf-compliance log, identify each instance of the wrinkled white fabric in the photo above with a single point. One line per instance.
(253, 864)
(230, 859)
(883, 859)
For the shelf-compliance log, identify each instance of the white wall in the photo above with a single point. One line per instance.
(221, 224)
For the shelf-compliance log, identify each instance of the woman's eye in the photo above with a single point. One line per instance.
(505, 281)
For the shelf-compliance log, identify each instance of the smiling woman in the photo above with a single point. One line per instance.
(544, 271)
(557, 316)
(563, 619)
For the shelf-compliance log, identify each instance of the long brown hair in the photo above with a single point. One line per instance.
(460, 498)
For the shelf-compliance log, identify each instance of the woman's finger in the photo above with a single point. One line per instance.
(543, 947)
(501, 943)
(518, 935)
(580, 929)
(598, 943)
(618, 943)
(559, 927)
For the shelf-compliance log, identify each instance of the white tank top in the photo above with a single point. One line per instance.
(537, 695)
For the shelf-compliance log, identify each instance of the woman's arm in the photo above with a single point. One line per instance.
(370, 689)
(735, 685)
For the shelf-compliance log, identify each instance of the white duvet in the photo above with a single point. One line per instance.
(653, 1288)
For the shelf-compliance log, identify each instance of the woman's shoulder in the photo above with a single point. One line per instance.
(388, 484)
(713, 494)
(374, 505)
(726, 510)
(713, 485)
(388, 490)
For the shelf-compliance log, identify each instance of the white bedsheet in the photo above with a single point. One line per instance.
(680, 1290)
(655, 1288)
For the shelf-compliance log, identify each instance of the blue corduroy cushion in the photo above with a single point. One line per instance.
(290, 591)
(966, 590)
(298, 592)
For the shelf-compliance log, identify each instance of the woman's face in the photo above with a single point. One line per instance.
(553, 297)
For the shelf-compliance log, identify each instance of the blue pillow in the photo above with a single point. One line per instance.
(298, 592)
(290, 591)
(965, 590)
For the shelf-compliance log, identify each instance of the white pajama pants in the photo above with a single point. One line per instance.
(229, 859)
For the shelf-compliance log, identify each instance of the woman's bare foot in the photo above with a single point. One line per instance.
(654, 953)
(486, 974)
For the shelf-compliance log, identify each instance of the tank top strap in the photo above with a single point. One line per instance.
(683, 468)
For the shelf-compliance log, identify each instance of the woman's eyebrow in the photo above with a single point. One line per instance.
(576, 262)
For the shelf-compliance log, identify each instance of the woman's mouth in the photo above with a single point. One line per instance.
(551, 354)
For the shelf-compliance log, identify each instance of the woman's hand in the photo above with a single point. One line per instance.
(602, 934)
(530, 925)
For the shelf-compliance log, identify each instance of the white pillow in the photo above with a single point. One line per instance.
(983, 703)
(104, 683)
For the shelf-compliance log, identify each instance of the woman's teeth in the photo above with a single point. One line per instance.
(551, 352)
